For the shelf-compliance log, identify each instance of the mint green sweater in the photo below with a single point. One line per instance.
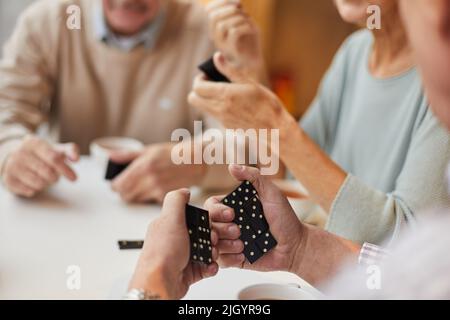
(383, 134)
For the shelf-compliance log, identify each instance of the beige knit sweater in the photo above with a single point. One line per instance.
(85, 89)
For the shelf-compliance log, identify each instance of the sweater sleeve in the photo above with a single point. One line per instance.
(363, 214)
(26, 77)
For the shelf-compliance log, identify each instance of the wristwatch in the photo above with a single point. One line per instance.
(141, 295)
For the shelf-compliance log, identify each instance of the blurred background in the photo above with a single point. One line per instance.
(300, 38)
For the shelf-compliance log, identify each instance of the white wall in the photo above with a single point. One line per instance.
(9, 11)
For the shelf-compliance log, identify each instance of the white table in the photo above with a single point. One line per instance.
(79, 225)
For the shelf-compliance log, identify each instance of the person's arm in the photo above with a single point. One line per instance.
(322, 255)
(28, 165)
(358, 211)
(246, 104)
(26, 73)
(311, 253)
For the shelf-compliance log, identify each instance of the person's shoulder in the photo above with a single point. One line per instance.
(358, 42)
(49, 10)
(352, 53)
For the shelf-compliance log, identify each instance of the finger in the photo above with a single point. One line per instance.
(153, 194)
(227, 69)
(230, 246)
(145, 196)
(175, 205)
(215, 91)
(244, 173)
(202, 104)
(210, 270)
(218, 15)
(128, 181)
(225, 26)
(31, 180)
(214, 5)
(239, 30)
(227, 231)
(214, 237)
(124, 156)
(209, 89)
(219, 212)
(18, 188)
(47, 173)
(54, 159)
(215, 254)
(202, 271)
(231, 260)
(70, 150)
(213, 201)
(131, 196)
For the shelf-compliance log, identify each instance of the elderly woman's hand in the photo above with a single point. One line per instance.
(243, 104)
(236, 35)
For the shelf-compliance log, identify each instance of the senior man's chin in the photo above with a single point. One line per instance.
(130, 17)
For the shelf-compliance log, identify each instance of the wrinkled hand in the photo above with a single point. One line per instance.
(243, 104)
(152, 174)
(36, 165)
(235, 34)
(164, 266)
(284, 225)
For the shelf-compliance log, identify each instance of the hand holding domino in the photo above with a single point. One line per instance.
(211, 71)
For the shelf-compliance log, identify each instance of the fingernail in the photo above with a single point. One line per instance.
(186, 191)
(233, 229)
(237, 167)
(222, 58)
(228, 215)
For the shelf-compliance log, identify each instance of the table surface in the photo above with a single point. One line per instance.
(79, 224)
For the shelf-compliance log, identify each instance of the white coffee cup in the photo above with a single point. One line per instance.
(101, 148)
(275, 292)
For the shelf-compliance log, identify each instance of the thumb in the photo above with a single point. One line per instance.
(70, 150)
(267, 191)
(232, 72)
(175, 205)
(124, 156)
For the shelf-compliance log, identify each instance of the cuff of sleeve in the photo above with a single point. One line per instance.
(361, 214)
(6, 148)
(372, 255)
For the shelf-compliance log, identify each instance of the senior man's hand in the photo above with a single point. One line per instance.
(164, 268)
(153, 174)
(36, 165)
(284, 225)
(310, 252)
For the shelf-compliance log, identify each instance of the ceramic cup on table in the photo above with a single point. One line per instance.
(101, 148)
(275, 292)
